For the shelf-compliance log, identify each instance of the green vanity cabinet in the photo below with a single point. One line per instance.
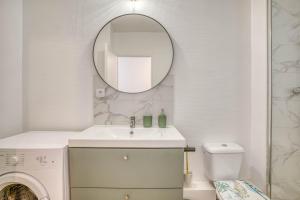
(125, 194)
(141, 174)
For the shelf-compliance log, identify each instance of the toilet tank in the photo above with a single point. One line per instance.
(222, 161)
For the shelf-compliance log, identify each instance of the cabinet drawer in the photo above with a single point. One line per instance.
(126, 168)
(125, 194)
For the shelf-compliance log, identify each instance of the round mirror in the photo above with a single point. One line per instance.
(133, 53)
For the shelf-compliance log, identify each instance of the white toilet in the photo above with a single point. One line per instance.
(222, 162)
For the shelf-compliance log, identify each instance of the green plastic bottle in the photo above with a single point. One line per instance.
(147, 121)
(162, 119)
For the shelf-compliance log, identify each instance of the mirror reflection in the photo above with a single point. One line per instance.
(133, 53)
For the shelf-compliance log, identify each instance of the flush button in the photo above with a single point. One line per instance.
(224, 145)
(125, 157)
(127, 197)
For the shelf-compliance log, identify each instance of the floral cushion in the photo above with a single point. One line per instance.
(238, 190)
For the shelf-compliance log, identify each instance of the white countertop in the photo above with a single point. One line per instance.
(120, 137)
(37, 140)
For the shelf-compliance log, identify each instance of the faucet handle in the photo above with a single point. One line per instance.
(132, 121)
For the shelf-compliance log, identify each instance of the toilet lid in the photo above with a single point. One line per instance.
(238, 190)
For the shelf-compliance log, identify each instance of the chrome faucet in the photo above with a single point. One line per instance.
(132, 122)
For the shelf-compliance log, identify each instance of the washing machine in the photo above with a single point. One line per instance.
(34, 166)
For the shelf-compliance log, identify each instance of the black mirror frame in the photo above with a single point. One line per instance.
(172, 45)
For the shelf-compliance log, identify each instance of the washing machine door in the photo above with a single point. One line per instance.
(21, 186)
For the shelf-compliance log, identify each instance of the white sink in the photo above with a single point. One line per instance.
(125, 137)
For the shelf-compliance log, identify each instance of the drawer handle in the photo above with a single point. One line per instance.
(127, 197)
(125, 157)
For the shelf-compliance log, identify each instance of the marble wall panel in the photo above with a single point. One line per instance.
(285, 100)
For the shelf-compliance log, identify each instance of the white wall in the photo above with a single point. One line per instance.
(211, 68)
(11, 12)
(134, 73)
(110, 67)
(102, 46)
(259, 93)
(57, 66)
(157, 46)
(212, 78)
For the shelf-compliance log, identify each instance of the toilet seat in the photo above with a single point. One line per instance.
(238, 190)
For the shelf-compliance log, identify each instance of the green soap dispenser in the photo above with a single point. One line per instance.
(162, 119)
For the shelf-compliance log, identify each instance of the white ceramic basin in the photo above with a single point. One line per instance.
(124, 137)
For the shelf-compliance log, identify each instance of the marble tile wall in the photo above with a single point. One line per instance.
(285, 100)
(117, 107)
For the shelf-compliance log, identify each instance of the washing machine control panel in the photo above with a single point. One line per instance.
(14, 160)
(31, 158)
